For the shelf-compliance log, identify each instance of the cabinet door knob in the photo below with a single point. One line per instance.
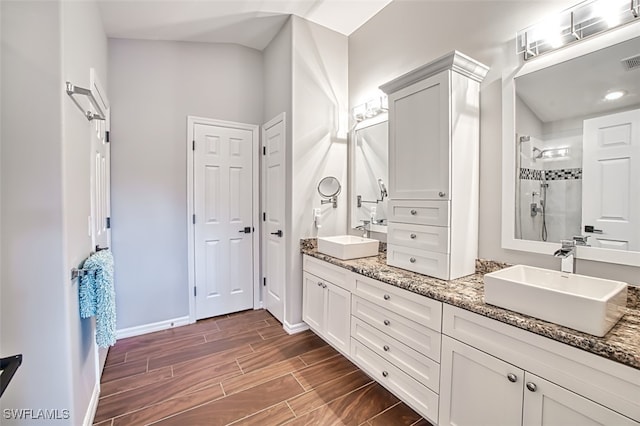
(512, 377)
(532, 386)
(414, 212)
(386, 348)
(412, 260)
(442, 194)
(385, 374)
(413, 236)
(387, 297)
(387, 322)
(324, 286)
(319, 283)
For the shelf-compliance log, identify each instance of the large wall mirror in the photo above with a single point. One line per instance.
(571, 149)
(369, 165)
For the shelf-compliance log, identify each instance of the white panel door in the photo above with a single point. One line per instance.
(100, 171)
(273, 201)
(610, 176)
(547, 404)
(477, 389)
(223, 205)
(313, 304)
(338, 316)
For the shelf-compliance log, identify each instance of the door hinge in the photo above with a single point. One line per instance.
(264, 217)
(193, 145)
(193, 219)
(264, 281)
(107, 137)
(195, 291)
(108, 223)
(264, 150)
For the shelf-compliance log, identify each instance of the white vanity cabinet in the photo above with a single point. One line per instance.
(434, 132)
(395, 338)
(530, 380)
(326, 302)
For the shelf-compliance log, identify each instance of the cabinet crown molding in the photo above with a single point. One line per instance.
(454, 61)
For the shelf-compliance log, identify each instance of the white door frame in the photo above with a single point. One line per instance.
(255, 211)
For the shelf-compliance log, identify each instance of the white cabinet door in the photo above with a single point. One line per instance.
(338, 316)
(547, 404)
(419, 140)
(477, 389)
(313, 301)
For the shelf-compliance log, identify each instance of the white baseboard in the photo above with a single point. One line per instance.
(93, 405)
(150, 328)
(295, 328)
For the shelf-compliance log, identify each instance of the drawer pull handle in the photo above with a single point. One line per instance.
(385, 374)
(413, 236)
(414, 212)
(442, 194)
(412, 260)
(532, 386)
(386, 349)
(512, 377)
(387, 322)
(387, 297)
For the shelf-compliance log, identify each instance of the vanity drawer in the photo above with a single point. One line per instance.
(420, 261)
(413, 393)
(419, 212)
(422, 339)
(423, 237)
(421, 309)
(408, 360)
(326, 271)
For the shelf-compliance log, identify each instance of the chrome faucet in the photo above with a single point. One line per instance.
(365, 227)
(568, 252)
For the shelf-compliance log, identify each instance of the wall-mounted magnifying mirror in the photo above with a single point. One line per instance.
(329, 188)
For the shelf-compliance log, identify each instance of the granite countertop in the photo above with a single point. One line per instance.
(621, 344)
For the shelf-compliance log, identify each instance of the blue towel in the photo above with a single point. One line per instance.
(98, 297)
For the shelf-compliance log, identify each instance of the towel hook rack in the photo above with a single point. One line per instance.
(79, 272)
(76, 90)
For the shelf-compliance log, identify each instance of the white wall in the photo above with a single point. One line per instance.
(33, 316)
(45, 203)
(407, 34)
(153, 86)
(84, 46)
(319, 125)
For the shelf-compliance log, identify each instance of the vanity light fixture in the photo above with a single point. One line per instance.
(584, 20)
(614, 95)
(554, 153)
(371, 108)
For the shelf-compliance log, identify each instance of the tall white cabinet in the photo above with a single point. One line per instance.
(434, 132)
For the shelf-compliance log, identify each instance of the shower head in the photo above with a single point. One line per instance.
(538, 155)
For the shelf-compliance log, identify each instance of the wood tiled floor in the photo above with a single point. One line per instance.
(240, 369)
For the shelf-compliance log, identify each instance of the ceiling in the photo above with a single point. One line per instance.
(576, 88)
(252, 23)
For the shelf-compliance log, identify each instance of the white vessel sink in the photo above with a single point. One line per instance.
(587, 304)
(347, 247)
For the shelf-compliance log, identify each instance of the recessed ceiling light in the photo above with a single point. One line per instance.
(612, 96)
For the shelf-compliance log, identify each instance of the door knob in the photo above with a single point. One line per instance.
(278, 233)
(246, 230)
(386, 348)
(512, 377)
(386, 322)
(441, 194)
(412, 260)
(386, 297)
(414, 212)
(413, 236)
(532, 386)
(385, 374)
